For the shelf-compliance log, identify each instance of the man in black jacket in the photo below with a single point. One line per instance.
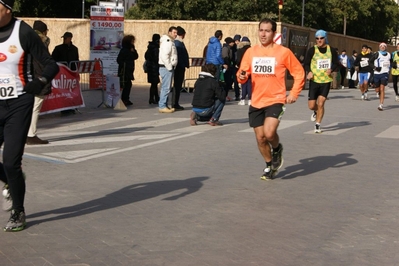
(209, 98)
(66, 53)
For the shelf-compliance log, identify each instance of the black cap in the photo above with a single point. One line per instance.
(156, 37)
(180, 31)
(237, 37)
(67, 35)
(8, 3)
(39, 26)
(229, 40)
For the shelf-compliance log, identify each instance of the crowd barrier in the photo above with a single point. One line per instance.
(192, 72)
(91, 76)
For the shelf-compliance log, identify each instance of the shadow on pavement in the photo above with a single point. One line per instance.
(316, 164)
(124, 196)
(346, 125)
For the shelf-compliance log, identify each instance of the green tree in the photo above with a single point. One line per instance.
(52, 9)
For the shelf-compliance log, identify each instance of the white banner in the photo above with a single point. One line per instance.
(106, 34)
(113, 92)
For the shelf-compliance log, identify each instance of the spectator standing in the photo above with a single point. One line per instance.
(126, 57)
(246, 88)
(227, 55)
(18, 42)
(152, 58)
(167, 63)
(41, 29)
(237, 40)
(353, 75)
(345, 64)
(267, 63)
(66, 53)
(182, 64)
(214, 53)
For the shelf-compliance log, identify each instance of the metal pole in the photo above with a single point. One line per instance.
(83, 8)
(303, 12)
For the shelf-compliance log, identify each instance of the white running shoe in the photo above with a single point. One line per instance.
(397, 98)
(342, 87)
(313, 116)
(380, 107)
(249, 102)
(365, 96)
(317, 128)
(378, 95)
(362, 97)
(242, 102)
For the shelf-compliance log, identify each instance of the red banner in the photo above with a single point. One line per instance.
(65, 92)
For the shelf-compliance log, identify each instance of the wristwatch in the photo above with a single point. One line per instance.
(43, 80)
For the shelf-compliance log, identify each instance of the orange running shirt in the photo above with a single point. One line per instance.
(267, 66)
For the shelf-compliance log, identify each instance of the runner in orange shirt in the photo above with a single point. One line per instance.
(266, 63)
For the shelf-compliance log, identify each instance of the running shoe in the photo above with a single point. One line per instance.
(397, 98)
(7, 201)
(378, 95)
(313, 116)
(317, 128)
(268, 174)
(362, 97)
(249, 102)
(277, 158)
(241, 102)
(380, 107)
(17, 222)
(365, 96)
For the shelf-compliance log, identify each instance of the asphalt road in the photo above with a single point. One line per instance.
(138, 187)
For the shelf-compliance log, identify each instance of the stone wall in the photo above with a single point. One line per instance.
(198, 33)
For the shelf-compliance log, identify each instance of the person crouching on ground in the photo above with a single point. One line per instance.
(209, 97)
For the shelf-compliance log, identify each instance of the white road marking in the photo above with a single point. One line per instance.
(87, 124)
(155, 123)
(96, 139)
(283, 125)
(390, 133)
(78, 154)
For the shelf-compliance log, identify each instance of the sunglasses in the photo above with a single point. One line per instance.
(320, 38)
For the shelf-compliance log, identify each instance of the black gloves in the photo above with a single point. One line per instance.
(378, 68)
(34, 87)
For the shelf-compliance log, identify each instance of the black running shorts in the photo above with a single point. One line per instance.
(257, 116)
(317, 89)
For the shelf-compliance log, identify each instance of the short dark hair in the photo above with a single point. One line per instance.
(210, 68)
(127, 41)
(172, 28)
(269, 21)
(218, 33)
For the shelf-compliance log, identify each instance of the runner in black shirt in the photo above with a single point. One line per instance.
(18, 42)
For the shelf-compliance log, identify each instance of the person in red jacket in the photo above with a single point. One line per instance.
(266, 64)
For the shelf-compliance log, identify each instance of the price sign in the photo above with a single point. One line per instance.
(106, 25)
